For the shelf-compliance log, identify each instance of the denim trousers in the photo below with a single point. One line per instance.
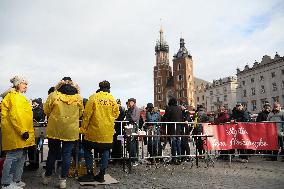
(89, 158)
(13, 166)
(54, 151)
(175, 146)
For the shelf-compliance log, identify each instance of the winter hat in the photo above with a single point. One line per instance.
(150, 105)
(18, 80)
(132, 99)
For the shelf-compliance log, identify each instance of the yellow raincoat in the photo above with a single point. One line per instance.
(63, 112)
(16, 119)
(99, 116)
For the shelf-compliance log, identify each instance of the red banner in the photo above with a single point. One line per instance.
(255, 136)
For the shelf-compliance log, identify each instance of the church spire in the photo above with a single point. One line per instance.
(161, 44)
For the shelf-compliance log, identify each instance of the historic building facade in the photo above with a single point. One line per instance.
(220, 92)
(263, 82)
(177, 82)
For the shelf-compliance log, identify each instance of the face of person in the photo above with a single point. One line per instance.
(222, 109)
(240, 107)
(267, 109)
(131, 104)
(277, 107)
(22, 87)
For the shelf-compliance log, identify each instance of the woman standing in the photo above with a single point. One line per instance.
(63, 108)
(17, 132)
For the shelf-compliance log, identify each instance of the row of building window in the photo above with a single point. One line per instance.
(218, 91)
(261, 78)
(262, 89)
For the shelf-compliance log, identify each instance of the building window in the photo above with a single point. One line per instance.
(217, 91)
(211, 92)
(197, 99)
(218, 99)
(282, 84)
(245, 93)
(225, 98)
(282, 71)
(273, 74)
(225, 89)
(159, 81)
(252, 80)
(181, 94)
(244, 83)
(274, 86)
(275, 99)
(261, 78)
(262, 90)
(202, 97)
(179, 66)
(212, 108)
(159, 89)
(263, 101)
(253, 104)
(179, 77)
(252, 91)
(160, 97)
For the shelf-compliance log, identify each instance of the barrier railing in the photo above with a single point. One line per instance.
(154, 141)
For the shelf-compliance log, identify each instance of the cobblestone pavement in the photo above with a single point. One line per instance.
(258, 173)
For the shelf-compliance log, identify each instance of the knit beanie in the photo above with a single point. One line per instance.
(17, 80)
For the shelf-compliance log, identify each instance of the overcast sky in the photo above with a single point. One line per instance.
(114, 40)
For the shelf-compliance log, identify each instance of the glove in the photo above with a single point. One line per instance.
(25, 136)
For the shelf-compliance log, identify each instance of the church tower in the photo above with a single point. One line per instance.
(183, 76)
(162, 72)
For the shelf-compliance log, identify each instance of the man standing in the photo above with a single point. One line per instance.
(173, 113)
(277, 115)
(133, 115)
(262, 116)
(98, 127)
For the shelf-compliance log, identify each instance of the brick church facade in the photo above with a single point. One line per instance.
(171, 82)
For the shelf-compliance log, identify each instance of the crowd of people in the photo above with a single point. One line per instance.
(103, 118)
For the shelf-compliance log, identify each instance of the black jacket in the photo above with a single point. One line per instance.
(262, 116)
(173, 114)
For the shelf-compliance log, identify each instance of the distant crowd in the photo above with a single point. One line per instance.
(103, 119)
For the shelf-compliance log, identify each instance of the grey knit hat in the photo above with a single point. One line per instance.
(17, 80)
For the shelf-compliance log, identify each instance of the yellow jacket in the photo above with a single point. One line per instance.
(63, 112)
(99, 116)
(16, 119)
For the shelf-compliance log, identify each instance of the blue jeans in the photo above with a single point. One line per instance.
(54, 146)
(175, 146)
(104, 153)
(132, 148)
(13, 166)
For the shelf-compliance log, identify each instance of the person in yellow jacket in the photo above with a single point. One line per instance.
(63, 108)
(17, 132)
(98, 129)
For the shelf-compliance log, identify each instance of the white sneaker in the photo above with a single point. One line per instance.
(62, 183)
(11, 186)
(19, 184)
(45, 179)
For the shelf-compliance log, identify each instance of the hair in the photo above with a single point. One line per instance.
(51, 89)
(104, 86)
(172, 102)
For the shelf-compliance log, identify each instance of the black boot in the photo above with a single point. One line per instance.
(100, 177)
(89, 177)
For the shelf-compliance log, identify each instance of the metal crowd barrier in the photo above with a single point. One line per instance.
(149, 135)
